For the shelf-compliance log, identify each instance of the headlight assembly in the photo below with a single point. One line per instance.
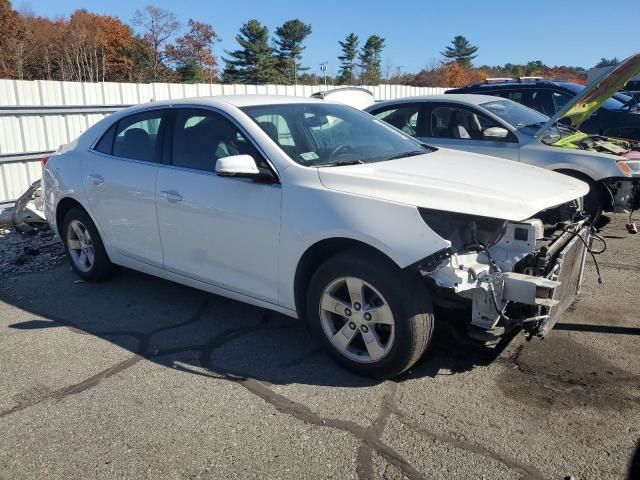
(629, 167)
(462, 230)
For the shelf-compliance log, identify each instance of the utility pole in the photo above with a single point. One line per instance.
(323, 69)
(398, 68)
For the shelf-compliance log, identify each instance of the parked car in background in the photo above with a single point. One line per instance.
(615, 115)
(503, 128)
(320, 211)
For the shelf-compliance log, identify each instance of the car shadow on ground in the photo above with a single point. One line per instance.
(204, 334)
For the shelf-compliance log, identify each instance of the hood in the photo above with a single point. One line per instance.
(460, 182)
(578, 109)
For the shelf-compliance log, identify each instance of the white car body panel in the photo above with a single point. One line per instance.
(244, 240)
(483, 185)
(224, 231)
(125, 203)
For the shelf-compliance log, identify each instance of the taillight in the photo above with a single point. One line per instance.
(43, 161)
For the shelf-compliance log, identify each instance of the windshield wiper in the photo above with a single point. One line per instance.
(338, 164)
(412, 153)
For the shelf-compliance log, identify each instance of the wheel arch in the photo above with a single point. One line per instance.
(603, 191)
(318, 253)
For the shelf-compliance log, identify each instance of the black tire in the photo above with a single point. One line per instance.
(407, 298)
(594, 200)
(593, 203)
(102, 268)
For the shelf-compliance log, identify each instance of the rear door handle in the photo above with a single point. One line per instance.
(95, 179)
(171, 196)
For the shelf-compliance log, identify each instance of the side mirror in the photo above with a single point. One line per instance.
(495, 133)
(243, 166)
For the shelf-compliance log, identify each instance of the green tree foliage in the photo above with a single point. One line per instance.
(461, 51)
(607, 62)
(348, 58)
(370, 59)
(255, 61)
(289, 38)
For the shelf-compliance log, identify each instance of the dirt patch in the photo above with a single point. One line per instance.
(562, 373)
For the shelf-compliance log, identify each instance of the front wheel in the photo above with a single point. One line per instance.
(374, 318)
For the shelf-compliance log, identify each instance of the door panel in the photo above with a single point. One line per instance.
(220, 230)
(122, 191)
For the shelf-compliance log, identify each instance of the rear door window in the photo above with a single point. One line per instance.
(138, 137)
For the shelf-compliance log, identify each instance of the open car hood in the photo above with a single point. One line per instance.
(595, 94)
(459, 182)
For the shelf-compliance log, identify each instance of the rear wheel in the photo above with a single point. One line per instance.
(84, 247)
(375, 319)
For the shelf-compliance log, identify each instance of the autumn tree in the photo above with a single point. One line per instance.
(95, 48)
(255, 61)
(348, 58)
(461, 51)
(370, 59)
(12, 37)
(193, 53)
(158, 27)
(289, 38)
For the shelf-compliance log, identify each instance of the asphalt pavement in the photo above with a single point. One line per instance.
(142, 378)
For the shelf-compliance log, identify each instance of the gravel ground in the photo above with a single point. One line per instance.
(142, 378)
(21, 253)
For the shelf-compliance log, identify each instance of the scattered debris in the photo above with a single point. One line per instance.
(36, 251)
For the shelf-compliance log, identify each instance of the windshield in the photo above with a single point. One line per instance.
(525, 119)
(609, 104)
(325, 134)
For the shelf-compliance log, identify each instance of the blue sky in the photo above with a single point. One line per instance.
(557, 32)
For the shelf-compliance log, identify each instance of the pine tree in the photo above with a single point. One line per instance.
(254, 62)
(462, 51)
(289, 38)
(370, 59)
(348, 58)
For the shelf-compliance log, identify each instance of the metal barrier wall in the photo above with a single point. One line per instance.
(36, 117)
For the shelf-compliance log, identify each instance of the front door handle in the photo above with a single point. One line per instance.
(95, 179)
(171, 196)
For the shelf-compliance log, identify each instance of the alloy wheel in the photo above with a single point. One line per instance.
(357, 319)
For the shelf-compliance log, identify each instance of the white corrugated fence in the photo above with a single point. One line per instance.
(38, 116)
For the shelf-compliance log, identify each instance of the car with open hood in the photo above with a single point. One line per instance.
(610, 112)
(320, 211)
(503, 128)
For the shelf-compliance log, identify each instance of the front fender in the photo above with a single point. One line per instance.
(594, 165)
(312, 215)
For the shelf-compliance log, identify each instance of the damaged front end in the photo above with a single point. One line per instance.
(506, 274)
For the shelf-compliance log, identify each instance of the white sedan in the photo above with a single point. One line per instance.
(318, 210)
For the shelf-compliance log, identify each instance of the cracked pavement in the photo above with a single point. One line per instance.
(140, 377)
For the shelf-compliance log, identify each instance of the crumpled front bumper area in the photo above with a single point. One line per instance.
(512, 284)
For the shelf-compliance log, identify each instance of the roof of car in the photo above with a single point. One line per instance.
(455, 98)
(511, 84)
(236, 100)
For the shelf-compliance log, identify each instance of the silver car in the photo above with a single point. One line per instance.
(503, 128)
